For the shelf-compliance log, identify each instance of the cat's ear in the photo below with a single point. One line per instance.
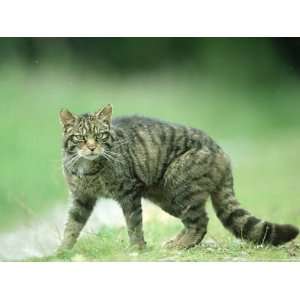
(66, 118)
(105, 114)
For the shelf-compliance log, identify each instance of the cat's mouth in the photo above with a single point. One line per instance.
(91, 156)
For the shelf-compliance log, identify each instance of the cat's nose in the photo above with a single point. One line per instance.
(91, 144)
(91, 147)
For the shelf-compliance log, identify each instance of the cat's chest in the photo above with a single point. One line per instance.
(98, 182)
(94, 185)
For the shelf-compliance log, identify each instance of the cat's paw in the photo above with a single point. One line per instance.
(174, 242)
(170, 244)
(138, 246)
(190, 239)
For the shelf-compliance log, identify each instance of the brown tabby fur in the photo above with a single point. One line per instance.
(174, 166)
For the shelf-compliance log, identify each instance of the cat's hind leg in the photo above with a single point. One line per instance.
(188, 185)
(194, 219)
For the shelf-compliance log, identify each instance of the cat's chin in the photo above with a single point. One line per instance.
(91, 157)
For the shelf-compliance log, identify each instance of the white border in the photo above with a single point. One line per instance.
(149, 18)
(149, 281)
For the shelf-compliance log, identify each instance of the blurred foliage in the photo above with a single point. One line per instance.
(260, 56)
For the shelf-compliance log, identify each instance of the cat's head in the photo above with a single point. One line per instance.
(86, 135)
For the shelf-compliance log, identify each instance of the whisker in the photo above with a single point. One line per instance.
(113, 153)
(71, 158)
(70, 163)
(109, 157)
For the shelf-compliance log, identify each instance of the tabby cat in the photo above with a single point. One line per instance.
(174, 166)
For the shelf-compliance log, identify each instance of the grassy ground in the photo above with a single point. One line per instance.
(258, 127)
(112, 245)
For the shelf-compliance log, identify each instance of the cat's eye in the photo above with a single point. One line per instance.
(77, 138)
(102, 136)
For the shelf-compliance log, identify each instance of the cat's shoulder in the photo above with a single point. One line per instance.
(136, 120)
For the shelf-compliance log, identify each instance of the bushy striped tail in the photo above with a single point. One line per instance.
(245, 226)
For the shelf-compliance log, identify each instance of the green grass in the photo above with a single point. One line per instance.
(112, 245)
(258, 127)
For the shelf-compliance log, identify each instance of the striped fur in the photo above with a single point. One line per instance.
(174, 166)
(242, 224)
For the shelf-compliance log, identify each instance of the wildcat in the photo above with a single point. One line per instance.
(174, 166)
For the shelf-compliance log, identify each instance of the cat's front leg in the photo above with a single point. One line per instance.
(81, 208)
(132, 210)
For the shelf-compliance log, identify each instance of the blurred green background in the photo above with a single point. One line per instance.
(244, 92)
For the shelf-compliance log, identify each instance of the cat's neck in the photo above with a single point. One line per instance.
(84, 167)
